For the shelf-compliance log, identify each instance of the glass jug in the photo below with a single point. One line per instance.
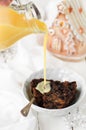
(18, 21)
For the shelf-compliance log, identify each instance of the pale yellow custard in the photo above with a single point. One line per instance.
(45, 44)
(43, 88)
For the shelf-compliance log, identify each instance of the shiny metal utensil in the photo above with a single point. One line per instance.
(26, 109)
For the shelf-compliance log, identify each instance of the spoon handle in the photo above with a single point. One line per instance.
(26, 109)
(72, 128)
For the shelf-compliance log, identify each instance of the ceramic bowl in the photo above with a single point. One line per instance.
(61, 74)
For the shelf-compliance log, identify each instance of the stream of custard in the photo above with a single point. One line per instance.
(45, 47)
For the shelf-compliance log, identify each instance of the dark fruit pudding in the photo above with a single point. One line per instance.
(60, 94)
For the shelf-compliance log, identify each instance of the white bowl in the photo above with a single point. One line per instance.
(61, 74)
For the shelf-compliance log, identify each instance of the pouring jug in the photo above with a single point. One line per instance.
(14, 26)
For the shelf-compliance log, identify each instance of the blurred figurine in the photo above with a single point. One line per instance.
(67, 34)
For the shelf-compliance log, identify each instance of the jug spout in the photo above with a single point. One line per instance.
(36, 26)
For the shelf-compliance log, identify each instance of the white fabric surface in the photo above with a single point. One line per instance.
(11, 102)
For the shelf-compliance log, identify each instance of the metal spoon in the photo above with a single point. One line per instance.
(26, 109)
